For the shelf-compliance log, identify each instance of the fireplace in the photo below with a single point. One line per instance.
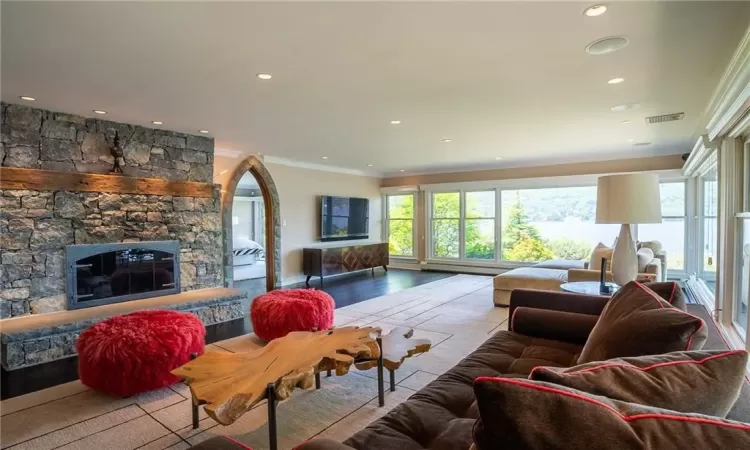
(99, 274)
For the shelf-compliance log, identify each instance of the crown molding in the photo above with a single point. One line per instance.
(321, 167)
(731, 99)
(226, 152)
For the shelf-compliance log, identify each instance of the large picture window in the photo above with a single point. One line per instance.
(671, 231)
(553, 223)
(479, 233)
(446, 224)
(400, 210)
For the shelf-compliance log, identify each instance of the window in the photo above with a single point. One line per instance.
(479, 234)
(710, 187)
(400, 211)
(446, 224)
(742, 291)
(671, 231)
(554, 223)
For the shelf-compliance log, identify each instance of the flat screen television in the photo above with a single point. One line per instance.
(343, 218)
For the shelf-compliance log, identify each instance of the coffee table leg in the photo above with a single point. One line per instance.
(392, 374)
(271, 399)
(196, 416)
(381, 388)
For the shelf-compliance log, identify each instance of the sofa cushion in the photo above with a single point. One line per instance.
(531, 278)
(523, 414)
(644, 256)
(449, 403)
(655, 246)
(599, 252)
(636, 322)
(703, 382)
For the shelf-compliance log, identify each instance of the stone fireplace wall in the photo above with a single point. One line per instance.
(35, 226)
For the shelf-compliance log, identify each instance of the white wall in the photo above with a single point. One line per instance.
(241, 218)
(298, 194)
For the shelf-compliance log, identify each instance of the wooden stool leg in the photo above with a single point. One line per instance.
(196, 415)
(392, 374)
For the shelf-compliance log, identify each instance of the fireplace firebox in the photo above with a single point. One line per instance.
(98, 274)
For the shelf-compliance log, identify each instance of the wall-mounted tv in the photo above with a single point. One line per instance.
(343, 218)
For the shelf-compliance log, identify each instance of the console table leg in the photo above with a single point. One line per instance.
(392, 375)
(307, 281)
(381, 388)
(317, 380)
(271, 399)
(385, 268)
(328, 373)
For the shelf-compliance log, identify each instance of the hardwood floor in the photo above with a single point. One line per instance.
(346, 290)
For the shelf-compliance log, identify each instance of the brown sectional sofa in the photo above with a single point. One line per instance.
(550, 329)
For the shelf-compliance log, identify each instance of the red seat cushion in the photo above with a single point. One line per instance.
(133, 353)
(280, 312)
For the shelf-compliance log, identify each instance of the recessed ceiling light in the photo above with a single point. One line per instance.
(325, 157)
(395, 122)
(642, 144)
(99, 111)
(369, 165)
(625, 107)
(28, 99)
(156, 122)
(631, 140)
(607, 45)
(402, 170)
(447, 140)
(265, 76)
(498, 158)
(596, 10)
(625, 121)
(616, 81)
(203, 131)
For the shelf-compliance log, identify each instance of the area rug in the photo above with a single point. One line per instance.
(456, 314)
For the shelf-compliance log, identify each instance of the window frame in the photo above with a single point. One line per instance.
(496, 228)
(430, 254)
(499, 186)
(387, 224)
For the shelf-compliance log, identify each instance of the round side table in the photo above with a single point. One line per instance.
(587, 287)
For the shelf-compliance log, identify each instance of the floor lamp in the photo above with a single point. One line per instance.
(627, 199)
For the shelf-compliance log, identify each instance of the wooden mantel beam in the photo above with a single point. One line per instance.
(47, 180)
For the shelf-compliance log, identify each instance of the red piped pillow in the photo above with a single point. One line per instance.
(706, 382)
(636, 322)
(521, 414)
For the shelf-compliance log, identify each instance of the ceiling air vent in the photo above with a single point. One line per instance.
(665, 118)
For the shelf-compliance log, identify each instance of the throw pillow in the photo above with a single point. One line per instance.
(599, 252)
(636, 322)
(706, 382)
(669, 291)
(522, 414)
(645, 256)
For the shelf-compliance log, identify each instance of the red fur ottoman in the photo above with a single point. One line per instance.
(277, 313)
(126, 355)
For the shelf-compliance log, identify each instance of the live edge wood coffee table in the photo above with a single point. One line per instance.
(230, 384)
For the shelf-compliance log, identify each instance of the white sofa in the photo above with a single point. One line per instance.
(549, 275)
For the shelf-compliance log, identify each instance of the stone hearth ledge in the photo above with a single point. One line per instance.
(37, 339)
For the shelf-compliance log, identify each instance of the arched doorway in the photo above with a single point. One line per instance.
(272, 223)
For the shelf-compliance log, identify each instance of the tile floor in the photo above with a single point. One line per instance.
(456, 314)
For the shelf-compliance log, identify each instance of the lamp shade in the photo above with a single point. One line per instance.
(628, 199)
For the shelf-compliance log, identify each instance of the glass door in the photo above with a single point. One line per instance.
(709, 199)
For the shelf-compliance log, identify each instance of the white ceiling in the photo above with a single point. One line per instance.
(248, 181)
(506, 80)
